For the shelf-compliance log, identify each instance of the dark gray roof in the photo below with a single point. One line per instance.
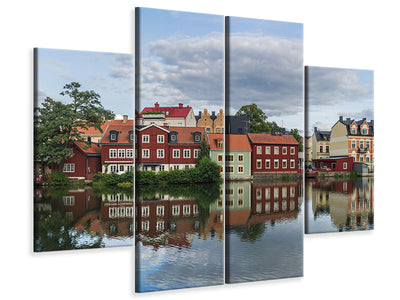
(349, 121)
(321, 135)
(237, 124)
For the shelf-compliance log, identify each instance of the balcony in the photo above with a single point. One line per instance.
(362, 150)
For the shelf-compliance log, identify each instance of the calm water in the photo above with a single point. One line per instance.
(264, 235)
(179, 237)
(80, 218)
(339, 205)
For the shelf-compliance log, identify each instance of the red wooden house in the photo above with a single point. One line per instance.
(273, 153)
(117, 154)
(334, 164)
(84, 162)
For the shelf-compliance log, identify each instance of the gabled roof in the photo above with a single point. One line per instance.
(185, 134)
(348, 122)
(94, 131)
(91, 149)
(214, 138)
(271, 139)
(169, 111)
(321, 135)
(123, 136)
(237, 142)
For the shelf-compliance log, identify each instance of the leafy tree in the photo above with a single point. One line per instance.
(59, 125)
(257, 117)
(298, 137)
(204, 150)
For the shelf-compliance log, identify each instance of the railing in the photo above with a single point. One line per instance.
(362, 150)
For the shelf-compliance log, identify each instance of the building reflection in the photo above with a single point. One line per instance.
(255, 203)
(174, 221)
(101, 214)
(348, 203)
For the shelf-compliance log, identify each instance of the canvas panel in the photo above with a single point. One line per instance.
(264, 104)
(80, 97)
(179, 240)
(339, 149)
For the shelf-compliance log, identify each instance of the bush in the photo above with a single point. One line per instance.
(59, 178)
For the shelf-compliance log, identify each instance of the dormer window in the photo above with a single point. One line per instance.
(131, 136)
(114, 136)
(365, 131)
(173, 137)
(197, 137)
(353, 130)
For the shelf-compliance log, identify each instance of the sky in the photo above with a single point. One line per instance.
(334, 92)
(109, 74)
(181, 59)
(266, 68)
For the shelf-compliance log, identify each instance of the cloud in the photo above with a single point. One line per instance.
(267, 71)
(185, 69)
(366, 113)
(121, 66)
(329, 86)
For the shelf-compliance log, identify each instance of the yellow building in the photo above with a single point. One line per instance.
(211, 123)
(320, 144)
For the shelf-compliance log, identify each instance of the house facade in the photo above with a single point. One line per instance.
(320, 144)
(237, 157)
(161, 148)
(273, 154)
(217, 147)
(353, 138)
(214, 123)
(181, 115)
(335, 164)
(117, 153)
(237, 124)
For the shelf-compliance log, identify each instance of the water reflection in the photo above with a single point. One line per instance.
(339, 205)
(179, 237)
(79, 218)
(264, 230)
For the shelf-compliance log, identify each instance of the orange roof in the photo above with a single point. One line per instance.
(88, 149)
(237, 142)
(185, 133)
(267, 138)
(122, 128)
(214, 138)
(94, 131)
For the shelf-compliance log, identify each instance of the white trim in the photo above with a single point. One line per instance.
(148, 126)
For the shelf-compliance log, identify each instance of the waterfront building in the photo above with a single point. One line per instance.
(320, 143)
(167, 116)
(273, 153)
(212, 123)
(238, 157)
(217, 149)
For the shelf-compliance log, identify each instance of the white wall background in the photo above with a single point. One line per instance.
(349, 34)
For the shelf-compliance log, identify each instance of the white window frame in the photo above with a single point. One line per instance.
(284, 163)
(240, 166)
(160, 139)
(145, 211)
(147, 151)
(267, 149)
(186, 153)
(186, 210)
(259, 150)
(145, 138)
(129, 153)
(196, 153)
(292, 163)
(121, 153)
(240, 157)
(259, 164)
(112, 153)
(176, 210)
(276, 161)
(145, 225)
(160, 225)
(69, 168)
(176, 153)
(160, 210)
(345, 166)
(268, 163)
(160, 153)
(276, 150)
(292, 150)
(284, 150)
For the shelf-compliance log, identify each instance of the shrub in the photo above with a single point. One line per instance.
(59, 178)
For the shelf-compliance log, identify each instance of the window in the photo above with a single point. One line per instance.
(229, 169)
(160, 225)
(145, 211)
(186, 210)
(267, 207)
(268, 164)
(292, 163)
(267, 150)
(197, 138)
(220, 157)
(258, 208)
(365, 131)
(121, 168)
(229, 192)
(162, 168)
(113, 136)
(292, 190)
(112, 153)
(258, 163)
(186, 153)
(292, 150)
(145, 225)
(367, 144)
(195, 209)
(361, 143)
(208, 129)
(276, 150)
(113, 168)
(145, 153)
(284, 192)
(218, 130)
(240, 191)
(129, 153)
(173, 138)
(69, 200)
(229, 157)
(284, 163)
(196, 153)
(131, 137)
(129, 167)
(276, 163)
(240, 157)
(145, 138)
(176, 153)
(121, 153)
(276, 193)
(258, 194)
(267, 193)
(321, 149)
(160, 210)
(259, 149)
(220, 144)
(160, 153)
(175, 210)
(160, 139)
(353, 130)
(240, 202)
(327, 149)
(345, 165)
(240, 169)
(284, 150)
(276, 206)
(353, 144)
(176, 167)
(69, 168)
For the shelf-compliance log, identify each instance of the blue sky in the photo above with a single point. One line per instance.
(266, 68)
(181, 59)
(108, 74)
(335, 92)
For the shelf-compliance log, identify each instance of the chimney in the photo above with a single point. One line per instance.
(199, 113)
(180, 105)
(124, 118)
(364, 119)
(315, 129)
(156, 105)
(347, 119)
(341, 118)
(213, 113)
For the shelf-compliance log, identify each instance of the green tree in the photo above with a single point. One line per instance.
(257, 117)
(204, 150)
(298, 137)
(59, 125)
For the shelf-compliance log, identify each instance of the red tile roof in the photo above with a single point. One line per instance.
(185, 133)
(169, 111)
(214, 138)
(88, 149)
(237, 142)
(94, 131)
(267, 138)
(123, 137)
